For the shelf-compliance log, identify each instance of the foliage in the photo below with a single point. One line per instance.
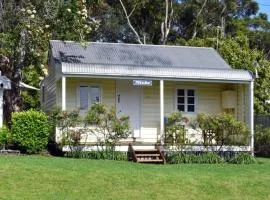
(243, 158)
(71, 127)
(109, 127)
(72, 21)
(4, 137)
(145, 17)
(30, 130)
(186, 157)
(222, 129)
(262, 140)
(175, 129)
(25, 30)
(99, 155)
(180, 157)
(212, 18)
(262, 135)
(100, 121)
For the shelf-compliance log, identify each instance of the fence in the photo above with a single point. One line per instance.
(263, 120)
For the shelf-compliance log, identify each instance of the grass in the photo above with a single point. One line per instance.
(36, 177)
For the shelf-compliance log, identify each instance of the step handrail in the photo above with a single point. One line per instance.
(132, 153)
(161, 154)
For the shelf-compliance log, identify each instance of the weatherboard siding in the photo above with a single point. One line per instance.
(49, 84)
(208, 100)
(107, 91)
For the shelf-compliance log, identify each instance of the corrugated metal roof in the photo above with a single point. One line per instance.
(118, 59)
(137, 55)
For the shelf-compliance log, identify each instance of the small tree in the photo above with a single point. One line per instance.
(71, 127)
(222, 129)
(175, 129)
(109, 128)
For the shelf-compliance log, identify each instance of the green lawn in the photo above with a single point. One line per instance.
(35, 177)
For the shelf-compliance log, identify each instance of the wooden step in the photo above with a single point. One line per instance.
(150, 161)
(148, 155)
(145, 150)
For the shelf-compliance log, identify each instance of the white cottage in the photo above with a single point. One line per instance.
(146, 82)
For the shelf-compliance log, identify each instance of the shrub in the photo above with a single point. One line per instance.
(30, 130)
(175, 129)
(100, 121)
(109, 127)
(202, 158)
(71, 127)
(262, 141)
(99, 155)
(4, 137)
(210, 158)
(180, 157)
(223, 129)
(243, 158)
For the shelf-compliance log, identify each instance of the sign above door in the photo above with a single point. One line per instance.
(142, 82)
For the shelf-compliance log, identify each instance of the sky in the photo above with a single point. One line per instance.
(264, 6)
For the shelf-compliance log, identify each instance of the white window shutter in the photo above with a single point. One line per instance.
(84, 103)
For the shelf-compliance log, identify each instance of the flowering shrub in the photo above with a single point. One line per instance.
(109, 127)
(68, 123)
(100, 121)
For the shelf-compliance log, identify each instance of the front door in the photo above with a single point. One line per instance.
(128, 102)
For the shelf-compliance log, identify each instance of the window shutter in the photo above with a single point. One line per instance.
(94, 94)
(84, 98)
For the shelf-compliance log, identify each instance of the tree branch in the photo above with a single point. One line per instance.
(129, 23)
(132, 10)
(197, 17)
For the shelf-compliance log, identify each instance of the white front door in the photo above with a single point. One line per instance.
(128, 102)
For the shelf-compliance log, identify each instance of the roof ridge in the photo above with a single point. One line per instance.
(132, 44)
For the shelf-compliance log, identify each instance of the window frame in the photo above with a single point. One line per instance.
(186, 88)
(89, 97)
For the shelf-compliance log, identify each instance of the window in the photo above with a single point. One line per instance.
(186, 100)
(88, 95)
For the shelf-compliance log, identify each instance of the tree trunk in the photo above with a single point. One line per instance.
(166, 24)
(12, 70)
(12, 101)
